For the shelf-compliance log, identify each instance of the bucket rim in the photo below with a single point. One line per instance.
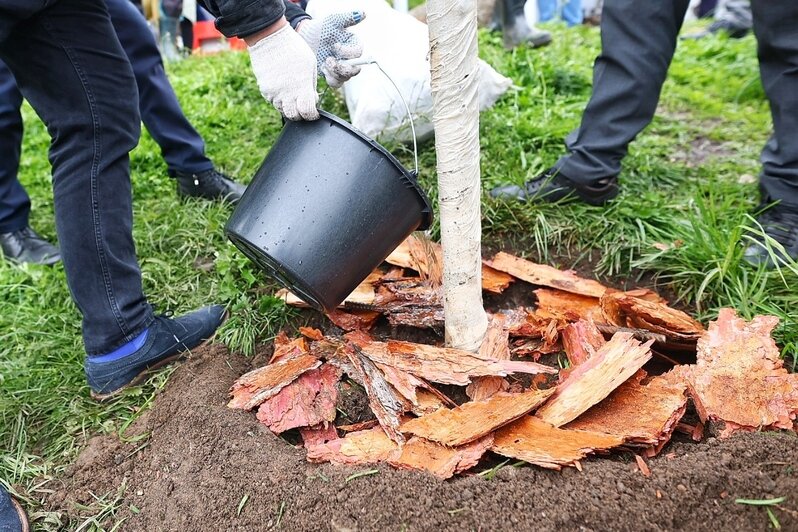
(427, 213)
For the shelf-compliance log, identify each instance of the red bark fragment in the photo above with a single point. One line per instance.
(252, 388)
(443, 462)
(542, 275)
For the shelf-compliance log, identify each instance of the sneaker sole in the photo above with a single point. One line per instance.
(141, 377)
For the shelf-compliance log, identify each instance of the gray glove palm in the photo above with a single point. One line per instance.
(333, 45)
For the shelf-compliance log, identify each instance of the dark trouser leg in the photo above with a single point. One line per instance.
(14, 201)
(776, 29)
(181, 145)
(71, 68)
(638, 39)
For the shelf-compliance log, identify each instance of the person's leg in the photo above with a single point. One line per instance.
(775, 28)
(572, 12)
(71, 68)
(14, 201)
(18, 242)
(637, 44)
(638, 40)
(546, 10)
(182, 147)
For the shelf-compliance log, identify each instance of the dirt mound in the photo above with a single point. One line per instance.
(201, 459)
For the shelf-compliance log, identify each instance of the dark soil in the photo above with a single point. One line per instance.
(201, 459)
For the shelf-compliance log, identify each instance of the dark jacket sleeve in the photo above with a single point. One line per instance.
(239, 18)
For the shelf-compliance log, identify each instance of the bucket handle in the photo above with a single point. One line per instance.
(371, 61)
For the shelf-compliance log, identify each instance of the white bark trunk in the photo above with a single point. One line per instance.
(453, 59)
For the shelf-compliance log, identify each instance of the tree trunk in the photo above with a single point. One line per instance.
(455, 79)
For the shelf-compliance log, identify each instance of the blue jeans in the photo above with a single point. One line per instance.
(181, 146)
(69, 65)
(571, 11)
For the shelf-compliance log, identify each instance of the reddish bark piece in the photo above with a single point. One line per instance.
(364, 447)
(739, 379)
(353, 320)
(542, 275)
(311, 333)
(307, 401)
(318, 434)
(386, 403)
(405, 383)
(558, 304)
(595, 379)
(494, 281)
(285, 348)
(581, 340)
(252, 388)
(428, 402)
(642, 466)
(473, 420)
(443, 462)
(445, 365)
(625, 310)
(363, 425)
(642, 415)
(363, 294)
(533, 440)
(413, 254)
(496, 345)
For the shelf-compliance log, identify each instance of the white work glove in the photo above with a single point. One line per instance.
(285, 68)
(333, 44)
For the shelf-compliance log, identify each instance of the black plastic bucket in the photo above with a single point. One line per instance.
(326, 207)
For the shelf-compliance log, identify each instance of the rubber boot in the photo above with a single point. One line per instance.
(168, 42)
(515, 28)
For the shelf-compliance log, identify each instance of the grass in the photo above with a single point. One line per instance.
(680, 221)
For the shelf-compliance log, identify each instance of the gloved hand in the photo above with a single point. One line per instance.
(285, 68)
(333, 44)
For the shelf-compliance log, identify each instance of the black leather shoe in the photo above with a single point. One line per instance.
(735, 32)
(779, 222)
(553, 186)
(211, 185)
(26, 245)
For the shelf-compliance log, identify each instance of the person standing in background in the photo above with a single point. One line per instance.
(570, 11)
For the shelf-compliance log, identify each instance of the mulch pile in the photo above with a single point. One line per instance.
(598, 400)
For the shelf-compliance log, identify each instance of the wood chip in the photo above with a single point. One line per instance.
(595, 379)
(642, 466)
(363, 425)
(621, 308)
(285, 348)
(542, 275)
(496, 345)
(252, 388)
(309, 400)
(473, 420)
(533, 440)
(443, 462)
(311, 333)
(581, 340)
(642, 415)
(387, 404)
(739, 379)
(428, 402)
(558, 304)
(362, 295)
(445, 365)
(364, 447)
(318, 434)
(412, 254)
(353, 320)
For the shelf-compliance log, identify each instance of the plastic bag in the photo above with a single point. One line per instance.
(400, 44)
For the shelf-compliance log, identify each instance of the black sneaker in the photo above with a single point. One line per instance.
(553, 186)
(211, 185)
(734, 31)
(779, 222)
(26, 245)
(167, 340)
